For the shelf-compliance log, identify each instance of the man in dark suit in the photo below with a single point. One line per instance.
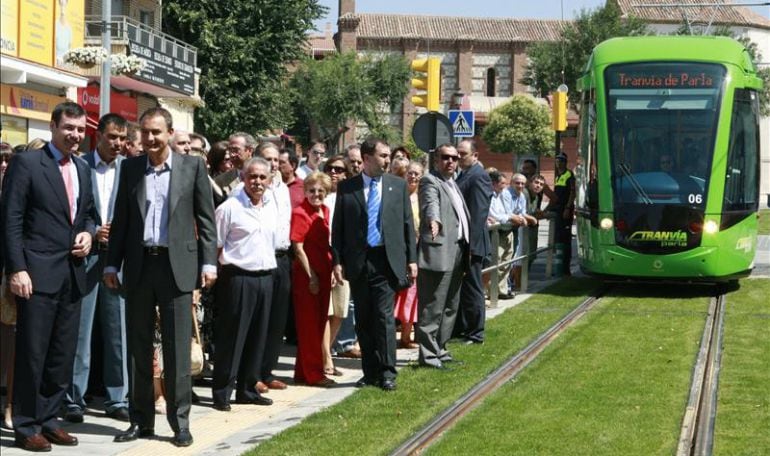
(104, 165)
(443, 247)
(477, 190)
(48, 226)
(374, 249)
(163, 234)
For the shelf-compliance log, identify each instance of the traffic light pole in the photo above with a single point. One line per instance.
(433, 128)
(558, 143)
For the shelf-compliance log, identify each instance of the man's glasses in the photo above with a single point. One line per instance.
(337, 169)
(446, 157)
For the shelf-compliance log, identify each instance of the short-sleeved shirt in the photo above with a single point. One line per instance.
(312, 230)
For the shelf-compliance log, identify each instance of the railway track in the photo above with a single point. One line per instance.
(446, 419)
(697, 435)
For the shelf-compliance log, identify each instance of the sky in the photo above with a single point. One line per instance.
(523, 9)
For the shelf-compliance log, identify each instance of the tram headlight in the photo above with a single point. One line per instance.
(606, 223)
(710, 227)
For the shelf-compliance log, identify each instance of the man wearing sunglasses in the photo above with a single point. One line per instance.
(313, 163)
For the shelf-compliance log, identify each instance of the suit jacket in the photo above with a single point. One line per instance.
(436, 204)
(38, 232)
(351, 223)
(191, 228)
(476, 187)
(90, 158)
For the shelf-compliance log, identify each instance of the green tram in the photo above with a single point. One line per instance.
(668, 171)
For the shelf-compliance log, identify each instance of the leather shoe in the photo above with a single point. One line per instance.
(388, 385)
(222, 407)
(183, 438)
(261, 388)
(472, 342)
(363, 381)
(259, 400)
(60, 437)
(36, 443)
(276, 385)
(134, 432)
(74, 416)
(120, 414)
(353, 353)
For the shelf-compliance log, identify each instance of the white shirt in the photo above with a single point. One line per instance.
(247, 234)
(283, 200)
(105, 182)
(303, 171)
(330, 201)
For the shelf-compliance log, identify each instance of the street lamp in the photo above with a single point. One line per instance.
(104, 79)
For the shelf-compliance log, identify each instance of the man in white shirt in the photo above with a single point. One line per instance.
(246, 239)
(501, 212)
(279, 308)
(104, 163)
(313, 163)
(521, 219)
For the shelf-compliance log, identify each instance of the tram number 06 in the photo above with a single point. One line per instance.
(695, 199)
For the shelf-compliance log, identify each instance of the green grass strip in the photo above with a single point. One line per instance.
(743, 411)
(764, 222)
(372, 422)
(616, 383)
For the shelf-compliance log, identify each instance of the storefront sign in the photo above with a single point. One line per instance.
(69, 29)
(30, 104)
(164, 68)
(36, 27)
(9, 27)
(124, 105)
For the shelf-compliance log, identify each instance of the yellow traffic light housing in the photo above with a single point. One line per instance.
(559, 110)
(430, 82)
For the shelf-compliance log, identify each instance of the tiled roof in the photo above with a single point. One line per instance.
(726, 14)
(321, 44)
(451, 28)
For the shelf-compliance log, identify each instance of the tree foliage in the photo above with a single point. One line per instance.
(243, 48)
(520, 126)
(345, 88)
(571, 52)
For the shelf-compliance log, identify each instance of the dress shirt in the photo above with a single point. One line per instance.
(330, 201)
(156, 181)
(58, 155)
(501, 206)
(303, 171)
(458, 204)
(519, 202)
(246, 233)
(367, 183)
(105, 182)
(283, 202)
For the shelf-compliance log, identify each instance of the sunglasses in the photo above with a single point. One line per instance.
(337, 169)
(446, 157)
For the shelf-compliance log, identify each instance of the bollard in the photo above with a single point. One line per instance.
(558, 260)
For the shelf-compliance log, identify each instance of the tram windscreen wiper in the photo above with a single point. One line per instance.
(635, 184)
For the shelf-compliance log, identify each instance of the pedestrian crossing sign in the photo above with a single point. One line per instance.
(462, 123)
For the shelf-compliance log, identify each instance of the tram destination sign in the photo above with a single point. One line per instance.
(165, 67)
(664, 77)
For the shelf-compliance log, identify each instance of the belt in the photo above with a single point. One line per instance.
(282, 253)
(235, 270)
(155, 250)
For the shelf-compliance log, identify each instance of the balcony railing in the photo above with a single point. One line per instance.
(124, 28)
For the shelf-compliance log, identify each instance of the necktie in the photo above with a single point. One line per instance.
(373, 236)
(64, 167)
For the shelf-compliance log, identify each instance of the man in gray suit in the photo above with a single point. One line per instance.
(443, 249)
(104, 163)
(163, 233)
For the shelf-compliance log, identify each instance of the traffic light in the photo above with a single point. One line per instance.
(430, 82)
(559, 110)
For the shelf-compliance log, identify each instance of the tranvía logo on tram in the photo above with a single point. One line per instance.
(665, 238)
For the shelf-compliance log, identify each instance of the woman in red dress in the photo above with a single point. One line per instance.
(312, 279)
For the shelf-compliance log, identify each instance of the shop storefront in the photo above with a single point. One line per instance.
(25, 113)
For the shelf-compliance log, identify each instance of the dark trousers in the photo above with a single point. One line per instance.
(279, 311)
(563, 235)
(46, 337)
(470, 323)
(157, 286)
(374, 293)
(244, 304)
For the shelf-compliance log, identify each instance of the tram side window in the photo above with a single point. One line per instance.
(742, 179)
(588, 194)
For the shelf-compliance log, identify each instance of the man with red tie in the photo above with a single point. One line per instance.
(48, 224)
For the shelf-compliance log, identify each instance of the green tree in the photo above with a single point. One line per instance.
(520, 126)
(570, 54)
(243, 48)
(344, 88)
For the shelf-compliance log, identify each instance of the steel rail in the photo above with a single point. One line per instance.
(697, 434)
(473, 398)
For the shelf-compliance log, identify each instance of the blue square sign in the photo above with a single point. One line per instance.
(463, 123)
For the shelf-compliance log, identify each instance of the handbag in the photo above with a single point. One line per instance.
(196, 349)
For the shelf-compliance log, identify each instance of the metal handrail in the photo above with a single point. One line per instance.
(494, 279)
(118, 26)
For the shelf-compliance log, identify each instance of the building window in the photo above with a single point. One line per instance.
(116, 8)
(147, 18)
(491, 79)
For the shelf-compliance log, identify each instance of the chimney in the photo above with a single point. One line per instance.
(347, 6)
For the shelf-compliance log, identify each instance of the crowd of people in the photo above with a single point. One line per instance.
(157, 235)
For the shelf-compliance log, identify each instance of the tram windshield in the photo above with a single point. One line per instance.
(662, 124)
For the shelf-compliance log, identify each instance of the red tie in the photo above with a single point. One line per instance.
(64, 167)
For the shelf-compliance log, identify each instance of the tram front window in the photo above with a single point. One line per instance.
(662, 123)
